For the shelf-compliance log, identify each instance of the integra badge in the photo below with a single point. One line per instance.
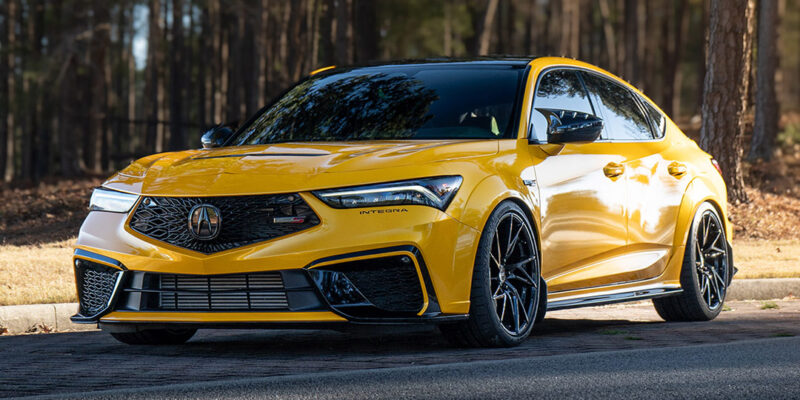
(383, 211)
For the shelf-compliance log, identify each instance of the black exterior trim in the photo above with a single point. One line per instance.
(432, 312)
(603, 299)
(98, 257)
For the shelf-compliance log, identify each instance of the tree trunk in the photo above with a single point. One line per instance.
(262, 50)
(41, 148)
(485, 33)
(724, 94)
(447, 34)
(766, 115)
(326, 34)
(133, 131)
(177, 138)
(570, 29)
(608, 35)
(7, 142)
(152, 88)
(632, 54)
(701, 66)
(366, 30)
(343, 32)
(672, 94)
(98, 108)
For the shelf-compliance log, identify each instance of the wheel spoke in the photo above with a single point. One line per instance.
(524, 311)
(515, 314)
(708, 290)
(499, 251)
(508, 242)
(513, 243)
(717, 276)
(716, 239)
(496, 295)
(526, 279)
(503, 313)
(715, 289)
(517, 265)
(703, 285)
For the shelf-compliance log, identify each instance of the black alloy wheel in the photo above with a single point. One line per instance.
(505, 283)
(706, 272)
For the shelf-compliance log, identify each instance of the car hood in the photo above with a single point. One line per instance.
(288, 166)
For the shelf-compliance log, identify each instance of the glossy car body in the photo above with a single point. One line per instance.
(611, 217)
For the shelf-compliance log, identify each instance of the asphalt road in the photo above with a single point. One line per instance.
(763, 369)
(600, 352)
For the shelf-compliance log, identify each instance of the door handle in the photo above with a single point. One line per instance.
(613, 170)
(676, 169)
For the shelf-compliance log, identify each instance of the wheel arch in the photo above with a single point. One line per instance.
(700, 190)
(487, 195)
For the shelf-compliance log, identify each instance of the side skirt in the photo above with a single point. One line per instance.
(613, 297)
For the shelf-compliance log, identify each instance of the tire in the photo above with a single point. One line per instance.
(705, 274)
(155, 336)
(541, 310)
(502, 281)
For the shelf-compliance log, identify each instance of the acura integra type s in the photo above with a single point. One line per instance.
(472, 194)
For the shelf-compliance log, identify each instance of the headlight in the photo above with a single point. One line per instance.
(434, 192)
(110, 200)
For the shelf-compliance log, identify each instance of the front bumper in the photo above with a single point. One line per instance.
(343, 243)
(363, 295)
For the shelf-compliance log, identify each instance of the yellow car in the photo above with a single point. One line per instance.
(471, 194)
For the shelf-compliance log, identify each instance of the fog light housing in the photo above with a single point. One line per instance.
(337, 289)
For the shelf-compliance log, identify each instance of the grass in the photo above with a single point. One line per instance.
(767, 258)
(42, 273)
(37, 273)
(769, 305)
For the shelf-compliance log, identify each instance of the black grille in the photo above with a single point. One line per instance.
(389, 283)
(239, 292)
(95, 286)
(245, 220)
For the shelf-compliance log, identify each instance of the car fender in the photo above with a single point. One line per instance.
(701, 189)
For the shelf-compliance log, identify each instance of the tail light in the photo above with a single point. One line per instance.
(716, 165)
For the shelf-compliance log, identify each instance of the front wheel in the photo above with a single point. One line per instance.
(706, 271)
(505, 284)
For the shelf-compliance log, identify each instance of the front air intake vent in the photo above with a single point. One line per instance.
(241, 292)
(96, 284)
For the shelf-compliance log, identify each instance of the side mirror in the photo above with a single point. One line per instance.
(216, 136)
(571, 126)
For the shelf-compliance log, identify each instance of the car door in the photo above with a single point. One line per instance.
(653, 195)
(581, 189)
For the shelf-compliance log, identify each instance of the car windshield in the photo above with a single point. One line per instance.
(422, 101)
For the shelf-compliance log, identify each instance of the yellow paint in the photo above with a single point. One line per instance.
(597, 233)
(222, 317)
(318, 70)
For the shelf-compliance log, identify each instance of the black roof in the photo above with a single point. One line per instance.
(497, 60)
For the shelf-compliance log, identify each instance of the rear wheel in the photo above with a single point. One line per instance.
(155, 336)
(706, 272)
(505, 284)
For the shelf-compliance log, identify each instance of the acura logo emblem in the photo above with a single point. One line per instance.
(205, 222)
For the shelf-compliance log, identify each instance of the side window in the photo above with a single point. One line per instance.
(561, 90)
(656, 118)
(623, 118)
